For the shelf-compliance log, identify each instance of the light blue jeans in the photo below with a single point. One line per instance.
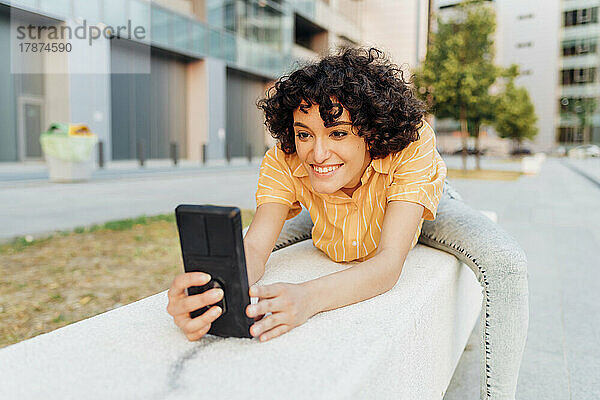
(500, 266)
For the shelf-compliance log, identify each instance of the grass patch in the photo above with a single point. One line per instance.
(22, 242)
(485, 174)
(51, 282)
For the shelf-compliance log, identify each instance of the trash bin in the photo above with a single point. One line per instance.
(68, 152)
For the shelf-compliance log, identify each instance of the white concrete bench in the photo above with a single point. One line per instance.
(403, 344)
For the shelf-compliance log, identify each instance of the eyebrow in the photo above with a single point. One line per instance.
(330, 126)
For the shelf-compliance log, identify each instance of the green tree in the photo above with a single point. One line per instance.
(515, 114)
(458, 71)
(484, 112)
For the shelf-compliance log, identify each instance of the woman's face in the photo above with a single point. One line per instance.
(334, 156)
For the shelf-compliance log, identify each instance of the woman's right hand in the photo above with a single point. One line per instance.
(180, 304)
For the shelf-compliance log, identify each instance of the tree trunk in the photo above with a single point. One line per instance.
(586, 134)
(429, 21)
(477, 152)
(464, 134)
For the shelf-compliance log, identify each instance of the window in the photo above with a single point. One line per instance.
(570, 17)
(570, 134)
(580, 17)
(579, 47)
(584, 17)
(582, 75)
(578, 76)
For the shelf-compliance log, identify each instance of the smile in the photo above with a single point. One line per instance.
(325, 171)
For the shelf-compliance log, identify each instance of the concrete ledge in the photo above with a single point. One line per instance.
(402, 344)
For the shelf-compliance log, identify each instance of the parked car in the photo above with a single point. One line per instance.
(584, 151)
(520, 152)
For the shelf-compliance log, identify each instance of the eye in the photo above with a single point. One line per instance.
(301, 136)
(339, 134)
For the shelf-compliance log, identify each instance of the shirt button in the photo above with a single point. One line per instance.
(354, 243)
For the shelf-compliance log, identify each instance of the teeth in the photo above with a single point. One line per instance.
(325, 170)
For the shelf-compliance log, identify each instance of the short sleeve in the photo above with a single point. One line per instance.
(275, 182)
(418, 174)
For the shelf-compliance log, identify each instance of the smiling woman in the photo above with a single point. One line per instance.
(346, 192)
(335, 155)
(354, 148)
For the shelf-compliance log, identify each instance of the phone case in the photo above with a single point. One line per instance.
(211, 242)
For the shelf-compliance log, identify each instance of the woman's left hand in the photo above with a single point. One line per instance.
(289, 306)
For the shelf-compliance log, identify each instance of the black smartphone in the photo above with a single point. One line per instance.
(211, 242)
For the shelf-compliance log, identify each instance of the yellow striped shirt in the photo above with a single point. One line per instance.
(349, 228)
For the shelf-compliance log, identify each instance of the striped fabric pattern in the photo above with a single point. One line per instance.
(349, 228)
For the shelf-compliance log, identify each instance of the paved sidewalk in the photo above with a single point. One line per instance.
(37, 171)
(588, 168)
(556, 218)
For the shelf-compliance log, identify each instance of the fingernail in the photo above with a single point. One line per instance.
(217, 311)
(218, 293)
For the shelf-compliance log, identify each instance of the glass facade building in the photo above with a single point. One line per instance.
(207, 62)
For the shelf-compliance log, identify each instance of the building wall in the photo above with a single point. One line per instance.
(529, 36)
(41, 89)
(8, 128)
(87, 98)
(148, 108)
(197, 110)
(404, 42)
(243, 117)
(217, 107)
(590, 61)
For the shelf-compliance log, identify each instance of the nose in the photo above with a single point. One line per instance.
(320, 151)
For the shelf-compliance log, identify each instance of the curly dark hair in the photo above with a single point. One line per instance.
(381, 104)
